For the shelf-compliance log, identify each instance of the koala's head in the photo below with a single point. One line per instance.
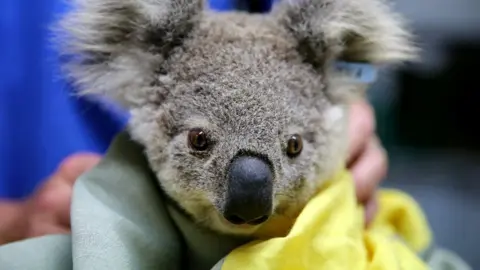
(242, 116)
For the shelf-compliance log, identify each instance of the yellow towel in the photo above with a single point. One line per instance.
(329, 234)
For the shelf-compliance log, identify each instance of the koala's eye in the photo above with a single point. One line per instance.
(197, 139)
(294, 145)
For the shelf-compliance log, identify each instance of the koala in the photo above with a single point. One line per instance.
(243, 116)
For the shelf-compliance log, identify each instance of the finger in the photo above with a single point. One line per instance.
(361, 129)
(53, 202)
(75, 165)
(41, 228)
(371, 208)
(62, 211)
(369, 170)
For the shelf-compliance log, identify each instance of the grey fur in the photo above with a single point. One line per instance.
(250, 81)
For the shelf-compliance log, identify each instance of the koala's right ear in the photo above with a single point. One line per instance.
(351, 30)
(116, 48)
(346, 35)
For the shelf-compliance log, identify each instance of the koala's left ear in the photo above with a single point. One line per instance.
(346, 31)
(117, 48)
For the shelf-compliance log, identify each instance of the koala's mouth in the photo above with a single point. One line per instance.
(241, 226)
(250, 190)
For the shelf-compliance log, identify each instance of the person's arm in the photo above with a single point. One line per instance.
(12, 221)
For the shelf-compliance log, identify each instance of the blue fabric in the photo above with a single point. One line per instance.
(40, 121)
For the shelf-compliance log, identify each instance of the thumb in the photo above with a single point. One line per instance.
(75, 165)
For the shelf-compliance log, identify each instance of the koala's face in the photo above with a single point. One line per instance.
(251, 132)
(241, 115)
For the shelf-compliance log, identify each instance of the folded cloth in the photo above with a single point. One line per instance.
(122, 220)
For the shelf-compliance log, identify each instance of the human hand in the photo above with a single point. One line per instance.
(48, 210)
(367, 159)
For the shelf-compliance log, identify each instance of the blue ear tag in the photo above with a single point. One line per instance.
(360, 72)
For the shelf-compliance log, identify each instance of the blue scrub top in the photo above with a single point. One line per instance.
(40, 122)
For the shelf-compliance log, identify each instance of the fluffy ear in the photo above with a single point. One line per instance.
(116, 48)
(350, 30)
(346, 39)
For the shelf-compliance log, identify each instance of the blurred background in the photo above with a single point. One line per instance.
(428, 113)
(429, 120)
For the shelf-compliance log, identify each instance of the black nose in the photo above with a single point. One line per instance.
(249, 193)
